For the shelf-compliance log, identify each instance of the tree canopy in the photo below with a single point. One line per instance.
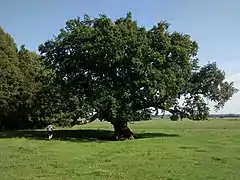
(120, 71)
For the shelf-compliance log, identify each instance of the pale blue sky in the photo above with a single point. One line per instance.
(214, 24)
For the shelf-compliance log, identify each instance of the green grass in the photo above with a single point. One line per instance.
(164, 150)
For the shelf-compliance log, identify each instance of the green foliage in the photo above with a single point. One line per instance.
(11, 77)
(26, 87)
(121, 70)
(206, 83)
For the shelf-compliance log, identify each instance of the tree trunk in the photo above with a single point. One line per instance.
(122, 131)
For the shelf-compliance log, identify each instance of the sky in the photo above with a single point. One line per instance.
(214, 24)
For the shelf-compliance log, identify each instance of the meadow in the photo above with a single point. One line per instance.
(163, 150)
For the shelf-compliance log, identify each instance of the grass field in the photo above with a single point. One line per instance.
(164, 150)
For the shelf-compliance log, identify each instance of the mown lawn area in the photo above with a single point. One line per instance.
(164, 150)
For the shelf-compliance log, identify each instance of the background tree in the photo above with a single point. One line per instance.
(11, 78)
(30, 94)
(17, 88)
(121, 70)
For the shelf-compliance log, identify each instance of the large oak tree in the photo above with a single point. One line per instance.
(120, 71)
